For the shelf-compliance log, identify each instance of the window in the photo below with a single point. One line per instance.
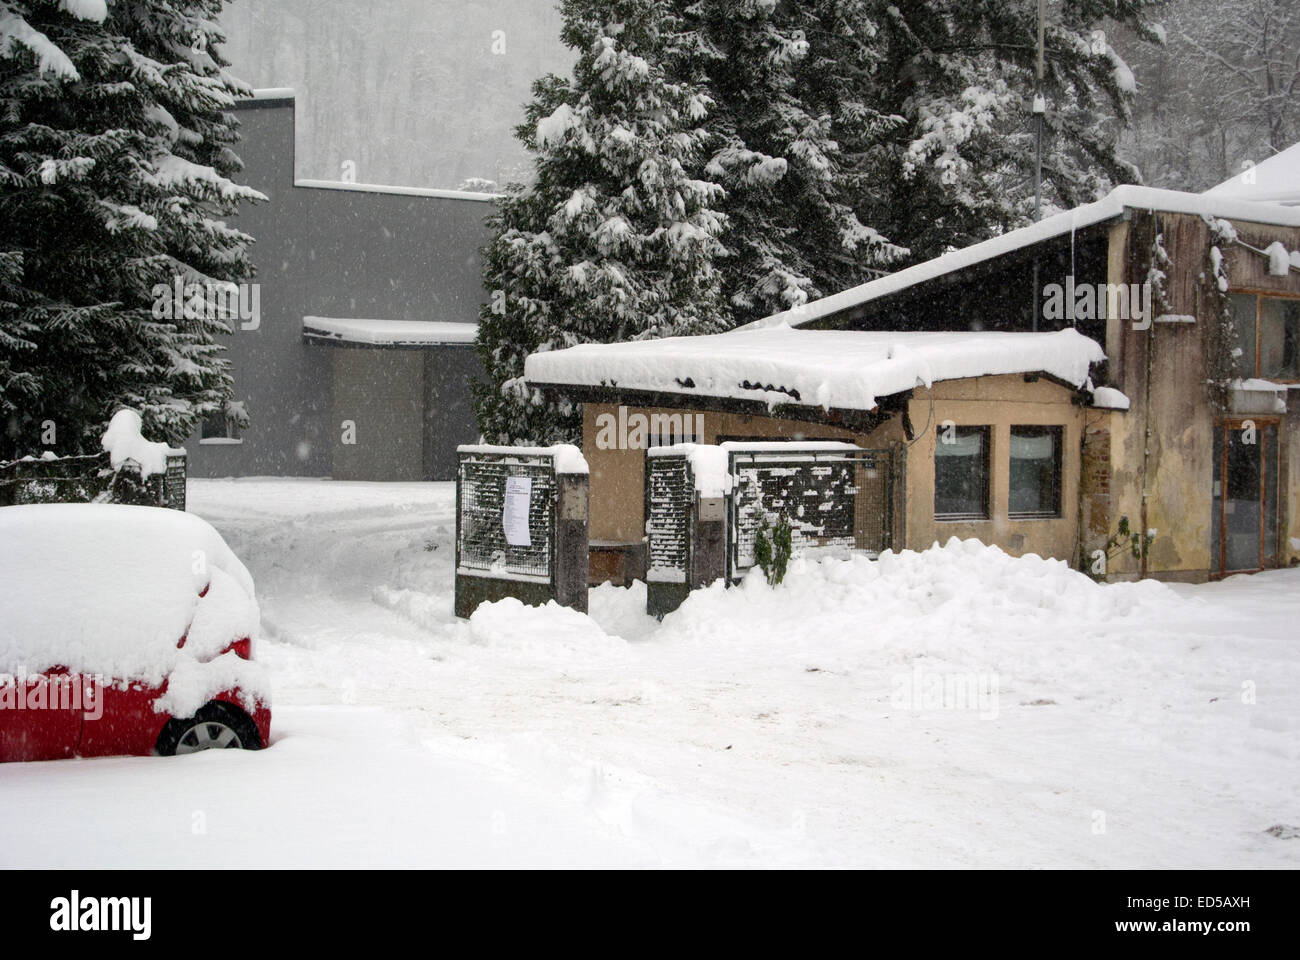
(961, 474)
(219, 427)
(1035, 472)
(1279, 338)
(1268, 332)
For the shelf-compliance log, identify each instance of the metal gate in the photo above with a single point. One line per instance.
(480, 538)
(836, 497)
(670, 493)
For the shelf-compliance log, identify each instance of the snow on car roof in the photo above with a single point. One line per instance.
(109, 590)
(1111, 206)
(832, 369)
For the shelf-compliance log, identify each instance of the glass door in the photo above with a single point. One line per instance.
(1245, 499)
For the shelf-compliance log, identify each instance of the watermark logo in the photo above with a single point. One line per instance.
(639, 431)
(925, 690)
(76, 913)
(210, 300)
(1098, 301)
(74, 693)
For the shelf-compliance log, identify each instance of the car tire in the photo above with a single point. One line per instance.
(216, 725)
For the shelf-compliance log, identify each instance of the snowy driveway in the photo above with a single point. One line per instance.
(1113, 726)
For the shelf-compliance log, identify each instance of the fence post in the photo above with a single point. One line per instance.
(572, 540)
(708, 541)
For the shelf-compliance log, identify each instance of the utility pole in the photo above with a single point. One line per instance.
(1040, 107)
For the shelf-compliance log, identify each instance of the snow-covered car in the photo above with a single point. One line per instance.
(124, 630)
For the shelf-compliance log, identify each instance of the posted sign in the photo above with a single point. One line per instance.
(514, 515)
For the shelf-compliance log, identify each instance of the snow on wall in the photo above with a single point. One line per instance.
(124, 441)
(837, 369)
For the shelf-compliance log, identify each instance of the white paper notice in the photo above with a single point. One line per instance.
(514, 518)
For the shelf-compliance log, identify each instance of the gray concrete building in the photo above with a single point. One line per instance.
(358, 362)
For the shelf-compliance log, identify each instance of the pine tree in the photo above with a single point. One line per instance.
(616, 237)
(961, 78)
(115, 164)
(796, 137)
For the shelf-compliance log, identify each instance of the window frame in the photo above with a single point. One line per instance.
(986, 462)
(1260, 296)
(231, 438)
(1057, 430)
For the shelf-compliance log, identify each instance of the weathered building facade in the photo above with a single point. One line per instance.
(359, 362)
(1176, 455)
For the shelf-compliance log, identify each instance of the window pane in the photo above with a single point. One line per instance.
(1243, 315)
(1035, 472)
(1279, 338)
(961, 474)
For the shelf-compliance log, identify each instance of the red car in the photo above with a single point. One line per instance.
(124, 630)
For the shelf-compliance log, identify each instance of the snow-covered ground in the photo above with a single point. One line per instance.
(951, 708)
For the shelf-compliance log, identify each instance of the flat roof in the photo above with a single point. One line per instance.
(828, 369)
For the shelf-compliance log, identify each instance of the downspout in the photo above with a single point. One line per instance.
(1148, 351)
(1146, 448)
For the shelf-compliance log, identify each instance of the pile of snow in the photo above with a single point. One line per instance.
(946, 596)
(109, 590)
(1108, 398)
(509, 625)
(840, 369)
(709, 468)
(124, 441)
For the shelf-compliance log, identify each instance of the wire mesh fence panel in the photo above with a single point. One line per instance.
(173, 483)
(482, 544)
(834, 501)
(75, 479)
(669, 492)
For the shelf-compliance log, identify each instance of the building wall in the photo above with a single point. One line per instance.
(1164, 445)
(998, 403)
(618, 475)
(339, 253)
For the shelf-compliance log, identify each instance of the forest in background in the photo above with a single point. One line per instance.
(388, 90)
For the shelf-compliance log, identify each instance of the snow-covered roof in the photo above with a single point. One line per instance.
(273, 93)
(1110, 207)
(832, 369)
(389, 333)
(1275, 180)
(396, 191)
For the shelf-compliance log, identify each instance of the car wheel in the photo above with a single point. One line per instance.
(217, 726)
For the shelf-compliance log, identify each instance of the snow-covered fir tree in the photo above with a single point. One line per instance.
(849, 137)
(796, 137)
(961, 78)
(616, 238)
(115, 165)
